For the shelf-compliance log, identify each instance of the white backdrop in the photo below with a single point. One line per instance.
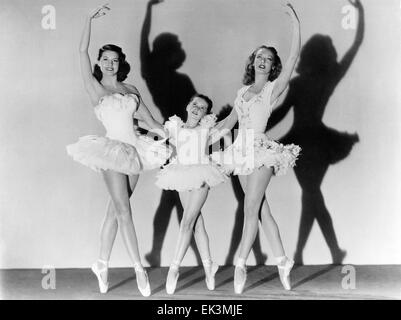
(51, 207)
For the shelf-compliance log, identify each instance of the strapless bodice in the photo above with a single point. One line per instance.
(116, 111)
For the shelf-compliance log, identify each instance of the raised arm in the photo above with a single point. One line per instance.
(145, 47)
(90, 83)
(346, 61)
(285, 75)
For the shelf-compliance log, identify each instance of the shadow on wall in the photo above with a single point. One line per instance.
(319, 74)
(171, 92)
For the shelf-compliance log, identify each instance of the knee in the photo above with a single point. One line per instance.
(251, 206)
(123, 211)
(187, 223)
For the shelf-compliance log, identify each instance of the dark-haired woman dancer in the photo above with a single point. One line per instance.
(192, 174)
(265, 80)
(122, 153)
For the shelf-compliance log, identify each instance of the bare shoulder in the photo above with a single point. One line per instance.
(131, 88)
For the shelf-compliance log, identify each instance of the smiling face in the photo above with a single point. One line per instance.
(109, 63)
(196, 109)
(263, 62)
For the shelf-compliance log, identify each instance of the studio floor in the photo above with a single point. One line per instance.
(308, 282)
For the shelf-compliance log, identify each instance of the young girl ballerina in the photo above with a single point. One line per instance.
(265, 81)
(122, 154)
(191, 173)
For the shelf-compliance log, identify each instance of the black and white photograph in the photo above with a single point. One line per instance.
(200, 150)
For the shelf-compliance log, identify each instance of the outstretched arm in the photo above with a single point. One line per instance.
(285, 75)
(223, 127)
(145, 47)
(228, 122)
(346, 61)
(90, 83)
(151, 124)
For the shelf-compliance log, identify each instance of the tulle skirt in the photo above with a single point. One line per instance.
(103, 153)
(243, 160)
(180, 177)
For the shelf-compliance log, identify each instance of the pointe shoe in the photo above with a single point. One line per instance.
(209, 278)
(239, 282)
(172, 278)
(140, 271)
(103, 285)
(284, 272)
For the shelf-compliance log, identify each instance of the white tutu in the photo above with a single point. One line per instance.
(103, 153)
(179, 177)
(264, 152)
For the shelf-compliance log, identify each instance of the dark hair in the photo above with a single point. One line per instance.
(123, 68)
(249, 76)
(206, 98)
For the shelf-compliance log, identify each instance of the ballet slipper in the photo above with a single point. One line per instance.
(284, 269)
(210, 272)
(172, 278)
(239, 281)
(103, 285)
(140, 271)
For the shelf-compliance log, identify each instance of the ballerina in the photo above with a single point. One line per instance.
(192, 174)
(265, 80)
(122, 154)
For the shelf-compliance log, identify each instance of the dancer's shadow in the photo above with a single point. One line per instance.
(236, 233)
(170, 89)
(171, 92)
(319, 74)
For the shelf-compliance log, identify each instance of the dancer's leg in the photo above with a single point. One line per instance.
(256, 184)
(107, 236)
(192, 202)
(117, 185)
(271, 230)
(110, 225)
(195, 200)
(254, 188)
(202, 242)
(202, 239)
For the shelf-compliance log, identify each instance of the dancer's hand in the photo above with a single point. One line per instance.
(99, 11)
(152, 2)
(289, 9)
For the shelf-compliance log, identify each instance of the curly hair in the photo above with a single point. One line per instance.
(207, 100)
(123, 68)
(249, 76)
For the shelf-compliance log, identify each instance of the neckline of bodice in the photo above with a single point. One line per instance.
(203, 123)
(255, 96)
(115, 94)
